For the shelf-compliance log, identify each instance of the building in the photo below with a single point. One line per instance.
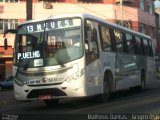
(157, 17)
(138, 15)
(6, 62)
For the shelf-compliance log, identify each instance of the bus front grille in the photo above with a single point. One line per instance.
(50, 91)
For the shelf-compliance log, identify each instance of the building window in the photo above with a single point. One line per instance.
(8, 24)
(151, 33)
(9, 0)
(150, 8)
(142, 4)
(142, 28)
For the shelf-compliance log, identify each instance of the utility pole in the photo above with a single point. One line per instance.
(28, 9)
(121, 4)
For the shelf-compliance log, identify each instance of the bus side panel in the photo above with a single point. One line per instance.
(93, 78)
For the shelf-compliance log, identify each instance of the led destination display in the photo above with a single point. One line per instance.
(50, 25)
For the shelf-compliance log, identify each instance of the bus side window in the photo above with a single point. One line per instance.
(145, 48)
(119, 41)
(22, 44)
(91, 42)
(27, 43)
(105, 38)
(130, 44)
(137, 46)
(150, 49)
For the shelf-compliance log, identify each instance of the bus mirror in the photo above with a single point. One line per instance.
(5, 43)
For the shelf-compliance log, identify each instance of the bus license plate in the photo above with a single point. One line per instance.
(45, 97)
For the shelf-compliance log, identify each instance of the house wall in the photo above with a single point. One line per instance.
(6, 62)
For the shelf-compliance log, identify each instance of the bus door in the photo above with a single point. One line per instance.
(126, 66)
(150, 67)
(92, 57)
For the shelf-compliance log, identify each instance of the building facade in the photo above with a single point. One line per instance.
(138, 15)
(5, 62)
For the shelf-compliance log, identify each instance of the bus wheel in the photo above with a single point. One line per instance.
(105, 97)
(51, 103)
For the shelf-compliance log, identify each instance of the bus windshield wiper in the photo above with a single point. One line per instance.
(24, 63)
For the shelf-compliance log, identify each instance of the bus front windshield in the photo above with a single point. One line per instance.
(50, 42)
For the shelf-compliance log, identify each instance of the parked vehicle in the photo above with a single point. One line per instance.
(7, 84)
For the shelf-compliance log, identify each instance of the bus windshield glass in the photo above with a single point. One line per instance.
(49, 42)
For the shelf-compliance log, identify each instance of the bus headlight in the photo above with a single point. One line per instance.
(75, 76)
(19, 82)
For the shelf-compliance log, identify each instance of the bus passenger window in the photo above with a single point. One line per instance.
(145, 49)
(119, 41)
(137, 46)
(130, 45)
(91, 43)
(51, 45)
(150, 49)
(105, 38)
(27, 43)
(22, 43)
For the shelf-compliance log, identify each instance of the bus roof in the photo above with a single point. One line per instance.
(89, 16)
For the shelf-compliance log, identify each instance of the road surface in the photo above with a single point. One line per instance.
(123, 105)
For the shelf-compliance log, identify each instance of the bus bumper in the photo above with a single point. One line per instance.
(65, 90)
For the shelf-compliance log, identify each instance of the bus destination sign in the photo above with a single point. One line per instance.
(48, 25)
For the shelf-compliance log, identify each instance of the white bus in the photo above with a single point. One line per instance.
(76, 55)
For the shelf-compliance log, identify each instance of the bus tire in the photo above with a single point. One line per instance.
(105, 97)
(106, 92)
(52, 102)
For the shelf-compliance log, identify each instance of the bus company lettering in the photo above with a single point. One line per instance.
(52, 80)
(25, 55)
(44, 81)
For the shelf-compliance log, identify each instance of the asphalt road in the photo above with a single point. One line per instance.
(123, 105)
